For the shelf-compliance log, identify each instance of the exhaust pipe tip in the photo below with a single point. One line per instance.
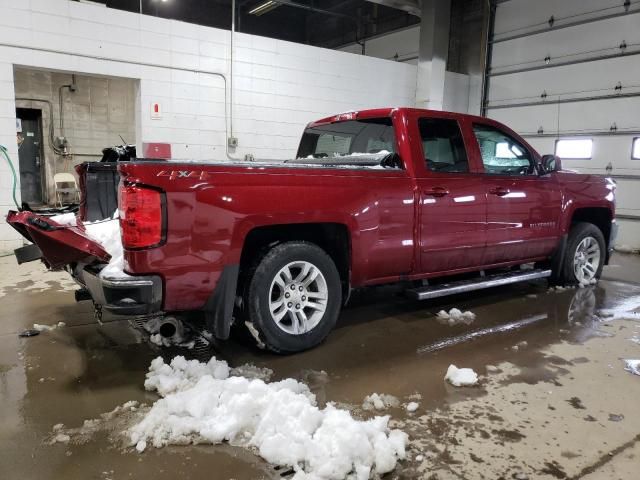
(171, 328)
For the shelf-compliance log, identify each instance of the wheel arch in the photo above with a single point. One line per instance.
(601, 217)
(333, 238)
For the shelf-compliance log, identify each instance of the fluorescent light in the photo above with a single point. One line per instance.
(635, 151)
(574, 148)
(264, 7)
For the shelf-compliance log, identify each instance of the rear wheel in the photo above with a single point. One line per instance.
(294, 297)
(584, 255)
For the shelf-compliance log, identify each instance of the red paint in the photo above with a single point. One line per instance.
(402, 224)
(160, 151)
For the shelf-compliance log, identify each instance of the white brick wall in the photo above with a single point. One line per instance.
(279, 86)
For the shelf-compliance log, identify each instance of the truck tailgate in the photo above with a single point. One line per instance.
(60, 244)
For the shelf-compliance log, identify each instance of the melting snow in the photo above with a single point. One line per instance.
(107, 234)
(203, 403)
(632, 366)
(379, 401)
(455, 317)
(412, 406)
(65, 219)
(461, 377)
(625, 309)
(48, 328)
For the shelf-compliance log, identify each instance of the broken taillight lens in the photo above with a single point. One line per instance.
(141, 219)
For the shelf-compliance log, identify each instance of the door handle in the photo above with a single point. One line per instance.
(437, 192)
(499, 191)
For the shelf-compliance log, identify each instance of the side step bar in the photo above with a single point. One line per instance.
(462, 286)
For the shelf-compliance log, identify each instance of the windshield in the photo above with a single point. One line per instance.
(352, 137)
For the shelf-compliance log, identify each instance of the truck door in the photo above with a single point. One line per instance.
(452, 209)
(523, 207)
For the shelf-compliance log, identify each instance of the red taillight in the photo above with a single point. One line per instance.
(140, 216)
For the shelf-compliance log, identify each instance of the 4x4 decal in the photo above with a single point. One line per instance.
(174, 174)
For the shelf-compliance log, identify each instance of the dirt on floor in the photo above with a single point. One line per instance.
(553, 401)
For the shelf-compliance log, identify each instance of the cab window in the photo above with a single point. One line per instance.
(502, 154)
(351, 137)
(442, 145)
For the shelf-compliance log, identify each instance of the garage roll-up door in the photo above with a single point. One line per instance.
(571, 70)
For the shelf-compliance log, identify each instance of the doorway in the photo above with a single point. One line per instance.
(30, 154)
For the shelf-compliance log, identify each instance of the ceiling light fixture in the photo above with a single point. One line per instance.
(264, 7)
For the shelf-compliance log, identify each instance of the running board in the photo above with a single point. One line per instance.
(462, 286)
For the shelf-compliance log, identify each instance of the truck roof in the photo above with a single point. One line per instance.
(384, 112)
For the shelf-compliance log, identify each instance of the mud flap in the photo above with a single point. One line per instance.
(59, 245)
(557, 260)
(28, 253)
(219, 307)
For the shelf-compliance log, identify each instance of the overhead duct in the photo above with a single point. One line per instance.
(412, 7)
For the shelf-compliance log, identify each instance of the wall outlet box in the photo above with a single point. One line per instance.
(232, 142)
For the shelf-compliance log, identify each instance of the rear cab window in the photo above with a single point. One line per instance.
(501, 153)
(350, 137)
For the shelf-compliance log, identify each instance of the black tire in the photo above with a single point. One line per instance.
(258, 297)
(579, 231)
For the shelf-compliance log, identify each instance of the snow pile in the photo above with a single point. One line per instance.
(65, 219)
(107, 234)
(632, 366)
(202, 404)
(380, 401)
(48, 328)
(461, 377)
(455, 317)
(412, 406)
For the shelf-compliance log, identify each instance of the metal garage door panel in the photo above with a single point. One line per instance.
(526, 120)
(617, 150)
(590, 38)
(626, 197)
(528, 15)
(543, 145)
(567, 80)
(601, 115)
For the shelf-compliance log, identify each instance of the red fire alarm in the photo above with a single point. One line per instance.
(156, 111)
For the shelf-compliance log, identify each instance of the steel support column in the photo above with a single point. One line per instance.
(433, 53)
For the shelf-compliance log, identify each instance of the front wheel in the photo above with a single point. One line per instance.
(585, 255)
(294, 297)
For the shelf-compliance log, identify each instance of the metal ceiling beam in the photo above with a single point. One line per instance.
(412, 7)
(290, 3)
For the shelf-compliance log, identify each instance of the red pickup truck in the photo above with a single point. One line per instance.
(373, 197)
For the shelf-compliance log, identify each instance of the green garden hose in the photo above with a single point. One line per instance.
(3, 149)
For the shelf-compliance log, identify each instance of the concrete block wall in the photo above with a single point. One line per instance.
(95, 116)
(279, 86)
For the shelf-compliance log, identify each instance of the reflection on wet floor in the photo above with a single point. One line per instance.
(547, 360)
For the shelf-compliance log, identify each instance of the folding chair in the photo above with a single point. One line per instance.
(66, 185)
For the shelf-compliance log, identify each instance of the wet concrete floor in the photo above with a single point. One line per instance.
(554, 400)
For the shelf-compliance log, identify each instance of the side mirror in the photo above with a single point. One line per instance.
(551, 163)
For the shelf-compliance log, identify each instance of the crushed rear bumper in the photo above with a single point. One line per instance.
(123, 295)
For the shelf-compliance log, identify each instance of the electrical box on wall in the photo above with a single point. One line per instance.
(161, 151)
